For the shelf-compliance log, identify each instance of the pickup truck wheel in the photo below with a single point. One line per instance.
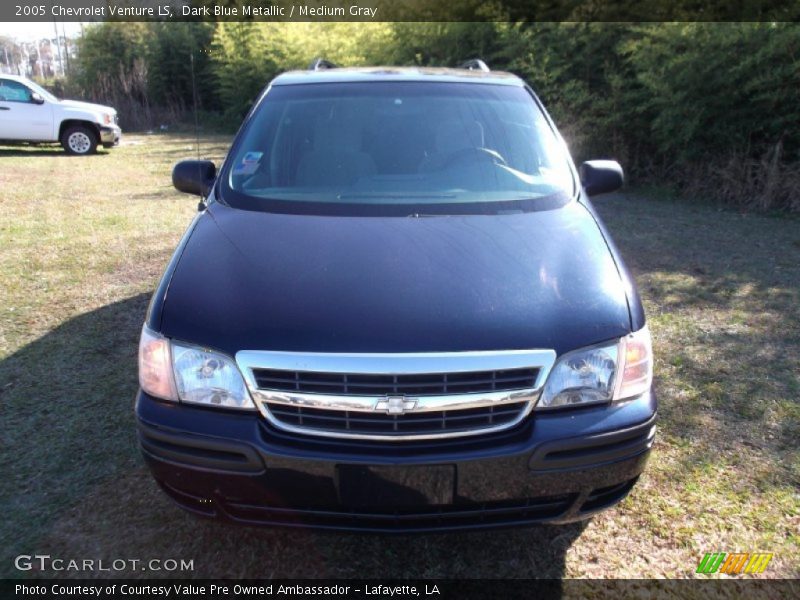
(79, 140)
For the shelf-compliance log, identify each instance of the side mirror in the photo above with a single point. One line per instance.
(601, 176)
(194, 176)
(36, 98)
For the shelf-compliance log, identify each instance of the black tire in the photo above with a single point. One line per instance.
(79, 140)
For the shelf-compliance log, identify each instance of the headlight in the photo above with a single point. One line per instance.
(206, 377)
(108, 119)
(173, 371)
(601, 373)
(637, 367)
(155, 366)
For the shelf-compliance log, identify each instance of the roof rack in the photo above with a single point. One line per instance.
(320, 64)
(475, 64)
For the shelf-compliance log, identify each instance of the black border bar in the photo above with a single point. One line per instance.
(400, 10)
(435, 589)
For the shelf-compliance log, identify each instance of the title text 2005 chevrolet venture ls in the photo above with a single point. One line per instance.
(396, 311)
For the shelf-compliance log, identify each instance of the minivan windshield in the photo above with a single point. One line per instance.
(422, 147)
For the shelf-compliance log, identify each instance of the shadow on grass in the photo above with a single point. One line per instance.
(76, 487)
(163, 193)
(66, 400)
(43, 150)
(722, 291)
(29, 151)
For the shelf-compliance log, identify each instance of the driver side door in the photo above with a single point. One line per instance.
(20, 117)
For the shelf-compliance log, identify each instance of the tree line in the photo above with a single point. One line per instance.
(710, 110)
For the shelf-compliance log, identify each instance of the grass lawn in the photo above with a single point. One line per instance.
(83, 242)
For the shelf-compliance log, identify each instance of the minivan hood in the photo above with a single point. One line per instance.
(250, 280)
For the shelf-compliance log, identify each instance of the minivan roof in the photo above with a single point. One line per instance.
(365, 74)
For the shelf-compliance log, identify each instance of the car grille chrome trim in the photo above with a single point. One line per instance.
(366, 407)
(413, 384)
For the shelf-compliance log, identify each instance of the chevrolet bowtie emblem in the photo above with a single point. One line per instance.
(395, 405)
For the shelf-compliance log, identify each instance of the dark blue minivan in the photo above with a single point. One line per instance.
(396, 310)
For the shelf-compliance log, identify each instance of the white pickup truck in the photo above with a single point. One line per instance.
(29, 113)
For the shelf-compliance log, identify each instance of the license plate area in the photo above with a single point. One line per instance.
(395, 487)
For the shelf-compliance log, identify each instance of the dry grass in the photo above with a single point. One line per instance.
(83, 242)
(769, 183)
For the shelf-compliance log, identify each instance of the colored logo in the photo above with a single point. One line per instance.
(734, 563)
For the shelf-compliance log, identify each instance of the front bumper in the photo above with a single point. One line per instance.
(557, 467)
(110, 135)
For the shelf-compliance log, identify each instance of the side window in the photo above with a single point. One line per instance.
(13, 91)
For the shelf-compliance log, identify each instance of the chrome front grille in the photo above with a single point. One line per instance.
(416, 384)
(395, 396)
(419, 423)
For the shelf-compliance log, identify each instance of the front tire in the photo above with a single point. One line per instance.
(79, 140)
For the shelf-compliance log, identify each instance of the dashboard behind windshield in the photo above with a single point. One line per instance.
(413, 146)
